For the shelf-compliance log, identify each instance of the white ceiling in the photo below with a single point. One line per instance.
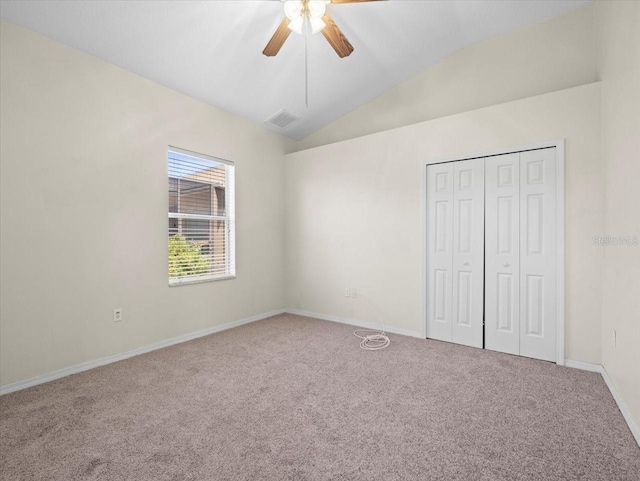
(212, 50)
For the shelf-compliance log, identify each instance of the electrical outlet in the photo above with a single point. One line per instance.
(354, 293)
(347, 292)
(117, 314)
(613, 336)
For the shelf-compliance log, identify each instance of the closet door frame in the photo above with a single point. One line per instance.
(560, 231)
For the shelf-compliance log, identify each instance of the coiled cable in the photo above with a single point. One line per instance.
(372, 342)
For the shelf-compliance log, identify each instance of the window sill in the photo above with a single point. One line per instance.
(199, 280)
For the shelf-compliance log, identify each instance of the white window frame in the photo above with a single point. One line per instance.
(229, 217)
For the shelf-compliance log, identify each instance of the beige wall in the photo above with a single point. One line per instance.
(552, 55)
(84, 209)
(353, 211)
(619, 67)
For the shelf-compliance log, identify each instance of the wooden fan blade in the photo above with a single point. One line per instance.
(336, 38)
(278, 39)
(355, 1)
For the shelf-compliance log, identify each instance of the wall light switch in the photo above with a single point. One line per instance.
(347, 292)
(354, 292)
(117, 314)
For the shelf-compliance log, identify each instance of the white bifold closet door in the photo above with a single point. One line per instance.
(455, 251)
(502, 253)
(520, 261)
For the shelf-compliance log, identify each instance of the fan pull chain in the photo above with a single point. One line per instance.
(306, 67)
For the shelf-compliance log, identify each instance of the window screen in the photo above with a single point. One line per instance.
(201, 217)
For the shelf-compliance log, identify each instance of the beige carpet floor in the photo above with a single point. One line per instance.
(291, 398)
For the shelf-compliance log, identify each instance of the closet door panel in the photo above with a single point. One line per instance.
(538, 254)
(502, 239)
(439, 251)
(468, 252)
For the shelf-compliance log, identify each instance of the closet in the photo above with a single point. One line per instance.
(491, 252)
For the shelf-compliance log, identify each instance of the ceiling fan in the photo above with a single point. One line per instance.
(297, 12)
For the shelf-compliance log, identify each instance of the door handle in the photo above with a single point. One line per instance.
(465, 264)
(506, 264)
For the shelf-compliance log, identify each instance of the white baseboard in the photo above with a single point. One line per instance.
(584, 366)
(34, 381)
(352, 322)
(17, 386)
(622, 406)
(587, 366)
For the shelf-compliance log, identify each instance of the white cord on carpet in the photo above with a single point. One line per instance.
(372, 342)
(375, 339)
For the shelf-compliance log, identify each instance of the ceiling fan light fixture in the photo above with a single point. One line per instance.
(296, 25)
(316, 8)
(297, 12)
(293, 9)
(316, 24)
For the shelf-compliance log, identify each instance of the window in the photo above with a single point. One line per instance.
(201, 218)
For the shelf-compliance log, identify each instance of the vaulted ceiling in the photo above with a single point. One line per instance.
(212, 50)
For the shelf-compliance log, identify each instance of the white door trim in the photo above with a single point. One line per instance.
(560, 241)
(559, 144)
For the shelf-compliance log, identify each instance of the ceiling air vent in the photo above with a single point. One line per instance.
(281, 119)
